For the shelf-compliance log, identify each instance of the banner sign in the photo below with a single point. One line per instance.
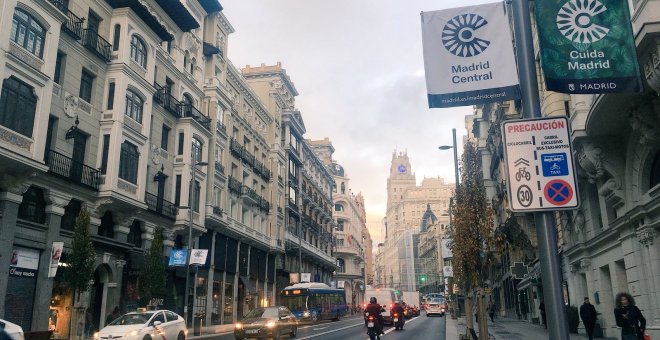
(340, 284)
(198, 256)
(305, 277)
(587, 46)
(178, 257)
(446, 251)
(24, 262)
(55, 256)
(448, 271)
(468, 56)
(294, 278)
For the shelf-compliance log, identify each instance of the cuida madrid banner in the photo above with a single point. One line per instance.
(468, 56)
(587, 46)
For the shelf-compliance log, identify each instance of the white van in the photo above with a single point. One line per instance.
(386, 298)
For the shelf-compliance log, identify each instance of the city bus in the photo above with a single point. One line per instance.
(314, 301)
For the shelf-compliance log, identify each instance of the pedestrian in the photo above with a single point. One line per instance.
(112, 316)
(89, 323)
(542, 309)
(491, 311)
(588, 316)
(629, 318)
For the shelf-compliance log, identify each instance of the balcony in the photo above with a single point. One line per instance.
(73, 24)
(95, 43)
(262, 170)
(219, 168)
(235, 148)
(221, 127)
(187, 110)
(235, 185)
(217, 211)
(72, 170)
(160, 206)
(264, 205)
(250, 194)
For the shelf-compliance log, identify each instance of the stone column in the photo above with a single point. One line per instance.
(43, 294)
(651, 258)
(209, 281)
(122, 227)
(9, 202)
(148, 234)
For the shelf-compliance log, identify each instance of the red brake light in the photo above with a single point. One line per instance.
(395, 314)
(391, 305)
(371, 318)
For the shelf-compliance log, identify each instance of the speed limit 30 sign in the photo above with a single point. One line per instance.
(539, 163)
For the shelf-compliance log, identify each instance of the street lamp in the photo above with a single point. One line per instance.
(193, 171)
(451, 199)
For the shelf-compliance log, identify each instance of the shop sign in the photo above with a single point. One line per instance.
(306, 277)
(55, 256)
(24, 262)
(446, 251)
(294, 277)
(587, 46)
(340, 284)
(178, 257)
(198, 256)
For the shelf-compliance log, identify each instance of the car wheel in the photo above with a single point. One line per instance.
(294, 332)
(181, 336)
(147, 337)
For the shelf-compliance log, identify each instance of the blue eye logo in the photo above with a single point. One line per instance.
(459, 35)
(575, 21)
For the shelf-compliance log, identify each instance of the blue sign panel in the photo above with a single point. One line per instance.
(178, 257)
(554, 164)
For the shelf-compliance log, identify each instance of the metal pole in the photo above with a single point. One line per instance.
(550, 271)
(299, 250)
(453, 133)
(190, 228)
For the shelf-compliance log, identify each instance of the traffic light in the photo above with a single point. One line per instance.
(422, 278)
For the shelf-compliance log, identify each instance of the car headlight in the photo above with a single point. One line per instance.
(306, 314)
(239, 326)
(131, 333)
(270, 324)
(96, 335)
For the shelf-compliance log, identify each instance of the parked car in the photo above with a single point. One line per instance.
(145, 325)
(13, 330)
(269, 322)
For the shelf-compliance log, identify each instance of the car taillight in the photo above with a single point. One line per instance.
(391, 305)
(395, 314)
(371, 318)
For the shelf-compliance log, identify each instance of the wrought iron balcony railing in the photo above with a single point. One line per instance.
(250, 193)
(73, 24)
(187, 110)
(221, 127)
(217, 211)
(77, 172)
(160, 206)
(235, 185)
(166, 100)
(95, 43)
(236, 148)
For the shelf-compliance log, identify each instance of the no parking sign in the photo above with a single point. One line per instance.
(539, 163)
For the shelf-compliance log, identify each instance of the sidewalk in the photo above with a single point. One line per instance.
(504, 329)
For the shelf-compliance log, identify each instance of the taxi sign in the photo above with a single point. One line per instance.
(539, 162)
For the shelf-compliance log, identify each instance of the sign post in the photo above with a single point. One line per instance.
(544, 220)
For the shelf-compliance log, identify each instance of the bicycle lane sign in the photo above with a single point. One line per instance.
(539, 164)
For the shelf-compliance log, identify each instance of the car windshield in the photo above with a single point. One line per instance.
(263, 313)
(132, 319)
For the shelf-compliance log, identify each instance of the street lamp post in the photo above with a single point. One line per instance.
(193, 170)
(451, 199)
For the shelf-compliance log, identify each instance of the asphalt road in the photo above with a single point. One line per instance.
(419, 328)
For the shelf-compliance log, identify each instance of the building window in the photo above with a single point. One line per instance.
(27, 32)
(18, 104)
(293, 194)
(196, 150)
(139, 51)
(340, 226)
(71, 212)
(197, 188)
(339, 207)
(60, 61)
(33, 207)
(165, 137)
(134, 105)
(86, 85)
(111, 96)
(177, 191)
(107, 227)
(128, 162)
(134, 236)
(104, 154)
(342, 265)
(180, 148)
(655, 171)
(115, 40)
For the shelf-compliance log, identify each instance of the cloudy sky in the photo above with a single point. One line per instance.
(358, 67)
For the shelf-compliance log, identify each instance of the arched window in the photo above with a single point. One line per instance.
(71, 212)
(342, 265)
(33, 207)
(134, 237)
(27, 32)
(655, 171)
(18, 105)
(339, 207)
(134, 105)
(196, 150)
(139, 51)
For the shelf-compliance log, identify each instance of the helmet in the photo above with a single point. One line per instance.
(373, 300)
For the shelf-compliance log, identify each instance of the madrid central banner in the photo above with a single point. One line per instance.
(587, 46)
(468, 56)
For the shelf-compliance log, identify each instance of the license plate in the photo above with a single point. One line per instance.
(396, 320)
(370, 324)
(252, 331)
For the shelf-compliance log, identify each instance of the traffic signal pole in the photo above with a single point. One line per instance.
(545, 230)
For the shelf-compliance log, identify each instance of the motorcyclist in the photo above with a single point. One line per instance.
(374, 309)
(398, 309)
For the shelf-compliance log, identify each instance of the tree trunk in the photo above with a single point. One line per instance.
(468, 309)
(483, 318)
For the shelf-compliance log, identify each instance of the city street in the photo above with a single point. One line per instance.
(418, 328)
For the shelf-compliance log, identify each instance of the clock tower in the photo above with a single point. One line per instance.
(401, 178)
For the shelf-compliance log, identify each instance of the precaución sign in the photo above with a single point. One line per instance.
(539, 162)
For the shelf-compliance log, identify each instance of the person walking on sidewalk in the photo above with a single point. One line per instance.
(491, 311)
(588, 316)
(542, 309)
(629, 318)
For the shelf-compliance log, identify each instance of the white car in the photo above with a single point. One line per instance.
(145, 325)
(13, 330)
(435, 308)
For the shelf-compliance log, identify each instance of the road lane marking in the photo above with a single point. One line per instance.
(331, 331)
(392, 328)
(320, 328)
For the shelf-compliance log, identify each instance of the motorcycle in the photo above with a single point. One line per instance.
(372, 330)
(398, 320)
